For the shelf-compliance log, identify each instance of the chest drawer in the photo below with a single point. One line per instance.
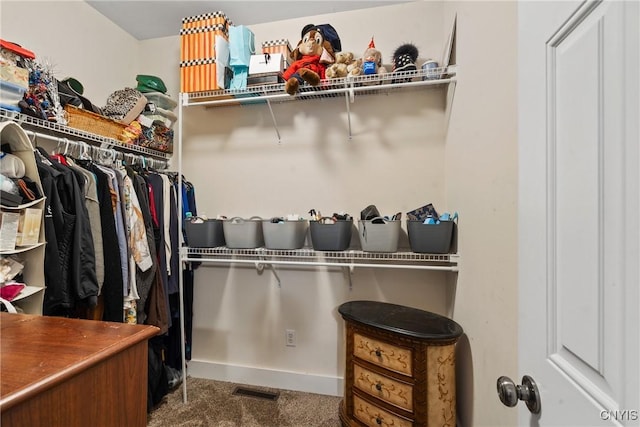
(388, 356)
(383, 387)
(372, 416)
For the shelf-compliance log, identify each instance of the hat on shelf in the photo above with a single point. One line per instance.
(404, 60)
(328, 33)
(71, 91)
(11, 166)
(150, 84)
(405, 57)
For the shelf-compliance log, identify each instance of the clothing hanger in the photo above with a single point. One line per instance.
(85, 158)
(84, 155)
(61, 158)
(32, 138)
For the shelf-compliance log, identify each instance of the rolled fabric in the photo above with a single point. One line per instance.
(11, 166)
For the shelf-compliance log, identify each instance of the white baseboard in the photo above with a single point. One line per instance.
(284, 380)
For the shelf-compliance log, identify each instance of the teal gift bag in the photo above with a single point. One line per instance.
(241, 47)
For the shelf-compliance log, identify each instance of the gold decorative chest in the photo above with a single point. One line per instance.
(400, 366)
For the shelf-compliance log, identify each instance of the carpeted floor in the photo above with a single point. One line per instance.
(211, 403)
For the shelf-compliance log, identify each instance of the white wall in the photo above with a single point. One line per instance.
(482, 183)
(401, 156)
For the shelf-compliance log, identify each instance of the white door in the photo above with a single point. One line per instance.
(579, 328)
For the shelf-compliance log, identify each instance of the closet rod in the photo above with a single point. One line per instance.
(351, 265)
(115, 154)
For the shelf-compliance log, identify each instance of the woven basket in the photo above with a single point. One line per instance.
(94, 123)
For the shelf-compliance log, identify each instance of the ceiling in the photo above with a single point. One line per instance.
(153, 19)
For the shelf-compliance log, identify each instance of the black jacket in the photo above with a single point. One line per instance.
(57, 298)
(112, 287)
(79, 284)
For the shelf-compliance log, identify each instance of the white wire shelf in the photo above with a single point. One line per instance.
(329, 88)
(305, 256)
(41, 125)
(346, 87)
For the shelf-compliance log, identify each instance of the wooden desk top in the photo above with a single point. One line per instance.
(39, 352)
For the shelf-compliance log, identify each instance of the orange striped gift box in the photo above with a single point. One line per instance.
(206, 20)
(199, 42)
(193, 33)
(278, 46)
(198, 75)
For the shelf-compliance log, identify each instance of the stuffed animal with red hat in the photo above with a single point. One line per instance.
(314, 52)
(372, 60)
(371, 63)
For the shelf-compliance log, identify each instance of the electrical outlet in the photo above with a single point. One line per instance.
(290, 337)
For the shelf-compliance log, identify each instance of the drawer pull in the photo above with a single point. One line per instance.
(378, 421)
(379, 387)
(378, 352)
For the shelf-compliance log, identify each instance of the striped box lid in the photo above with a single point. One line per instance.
(279, 42)
(193, 62)
(196, 30)
(208, 15)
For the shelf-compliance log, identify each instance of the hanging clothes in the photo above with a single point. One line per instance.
(112, 286)
(127, 221)
(57, 297)
(93, 209)
(188, 273)
(188, 206)
(116, 200)
(140, 256)
(167, 212)
(174, 244)
(155, 183)
(146, 278)
(78, 285)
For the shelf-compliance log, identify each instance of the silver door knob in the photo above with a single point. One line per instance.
(510, 393)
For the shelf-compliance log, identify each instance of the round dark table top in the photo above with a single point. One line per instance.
(401, 320)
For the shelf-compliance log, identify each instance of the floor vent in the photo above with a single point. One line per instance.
(244, 391)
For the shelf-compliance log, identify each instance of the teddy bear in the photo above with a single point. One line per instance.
(314, 52)
(370, 63)
(344, 65)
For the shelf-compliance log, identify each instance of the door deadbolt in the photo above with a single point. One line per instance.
(510, 393)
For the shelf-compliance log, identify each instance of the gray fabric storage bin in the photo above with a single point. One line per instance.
(284, 235)
(379, 237)
(430, 238)
(333, 236)
(242, 233)
(206, 234)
